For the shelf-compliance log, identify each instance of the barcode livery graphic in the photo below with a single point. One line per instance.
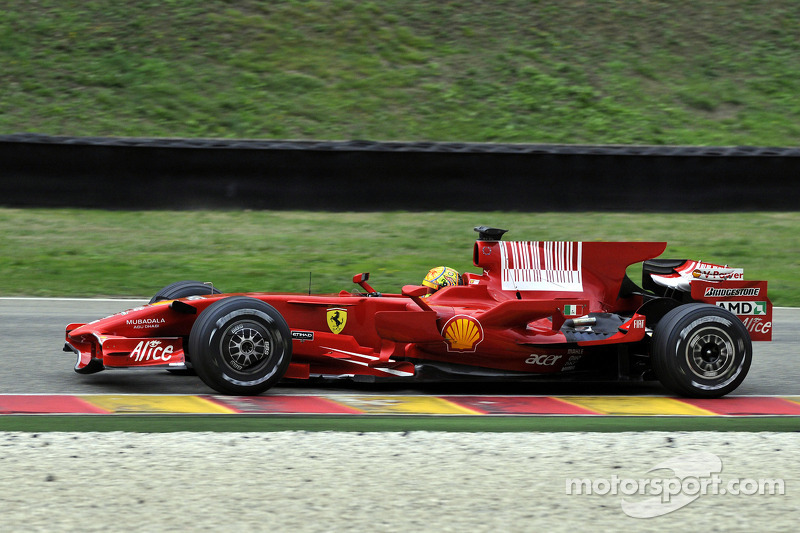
(541, 266)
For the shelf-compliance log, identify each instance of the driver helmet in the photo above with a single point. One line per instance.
(441, 276)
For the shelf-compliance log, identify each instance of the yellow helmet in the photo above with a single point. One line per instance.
(441, 276)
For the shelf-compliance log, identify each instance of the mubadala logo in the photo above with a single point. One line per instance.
(712, 292)
(138, 323)
(744, 308)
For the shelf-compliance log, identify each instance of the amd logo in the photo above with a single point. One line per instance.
(744, 308)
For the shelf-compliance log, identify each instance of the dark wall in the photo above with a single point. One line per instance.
(119, 173)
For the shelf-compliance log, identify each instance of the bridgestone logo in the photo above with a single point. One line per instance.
(711, 292)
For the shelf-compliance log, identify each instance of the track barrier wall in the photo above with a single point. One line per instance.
(130, 173)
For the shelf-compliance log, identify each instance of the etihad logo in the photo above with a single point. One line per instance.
(713, 292)
(303, 335)
(337, 318)
(462, 334)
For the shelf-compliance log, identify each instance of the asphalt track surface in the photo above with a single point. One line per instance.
(32, 333)
(308, 481)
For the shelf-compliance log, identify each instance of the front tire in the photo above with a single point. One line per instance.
(240, 345)
(182, 289)
(701, 351)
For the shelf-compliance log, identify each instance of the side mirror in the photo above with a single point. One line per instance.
(358, 278)
(416, 292)
(361, 279)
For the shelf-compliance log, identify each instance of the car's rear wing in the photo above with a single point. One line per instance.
(718, 285)
(595, 270)
(746, 299)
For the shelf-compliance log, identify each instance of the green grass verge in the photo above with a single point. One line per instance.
(718, 72)
(63, 252)
(255, 423)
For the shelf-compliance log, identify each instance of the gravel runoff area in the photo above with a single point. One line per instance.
(413, 481)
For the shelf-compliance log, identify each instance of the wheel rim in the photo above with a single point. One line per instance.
(246, 347)
(710, 353)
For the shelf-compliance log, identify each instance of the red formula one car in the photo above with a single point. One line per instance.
(538, 310)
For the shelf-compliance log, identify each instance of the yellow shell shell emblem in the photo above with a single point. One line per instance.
(462, 334)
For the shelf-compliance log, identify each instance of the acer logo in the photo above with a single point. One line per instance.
(151, 351)
(543, 359)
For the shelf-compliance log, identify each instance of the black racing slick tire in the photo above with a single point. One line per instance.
(240, 345)
(182, 289)
(701, 351)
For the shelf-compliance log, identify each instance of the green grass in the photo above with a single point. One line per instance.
(62, 252)
(709, 72)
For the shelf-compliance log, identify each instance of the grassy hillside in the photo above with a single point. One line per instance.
(719, 72)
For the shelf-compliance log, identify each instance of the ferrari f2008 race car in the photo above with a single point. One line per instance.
(537, 310)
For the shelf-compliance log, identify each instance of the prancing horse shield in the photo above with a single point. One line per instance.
(337, 318)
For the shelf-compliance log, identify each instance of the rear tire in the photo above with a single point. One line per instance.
(701, 351)
(182, 289)
(240, 345)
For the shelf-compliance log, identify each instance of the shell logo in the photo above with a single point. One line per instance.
(462, 334)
